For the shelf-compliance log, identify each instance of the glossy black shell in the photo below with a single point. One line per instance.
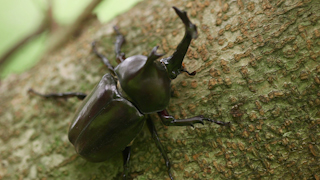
(145, 80)
(105, 123)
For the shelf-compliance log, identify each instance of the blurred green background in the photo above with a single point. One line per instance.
(20, 18)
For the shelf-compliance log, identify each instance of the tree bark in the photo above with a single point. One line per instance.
(257, 66)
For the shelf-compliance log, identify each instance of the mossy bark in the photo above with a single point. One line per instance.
(257, 66)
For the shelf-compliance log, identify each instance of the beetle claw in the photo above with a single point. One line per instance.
(190, 74)
(170, 175)
(116, 29)
(93, 44)
(218, 122)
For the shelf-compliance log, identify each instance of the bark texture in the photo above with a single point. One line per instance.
(257, 66)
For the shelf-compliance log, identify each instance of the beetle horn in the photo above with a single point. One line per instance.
(153, 55)
(191, 29)
(174, 62)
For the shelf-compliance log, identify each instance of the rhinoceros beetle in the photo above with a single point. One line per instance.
(113, 114)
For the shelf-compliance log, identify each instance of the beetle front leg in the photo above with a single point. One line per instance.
(66, 95)
(119, 41)
(102, 57)
(169, 120)
(126, 157)
(156, 138)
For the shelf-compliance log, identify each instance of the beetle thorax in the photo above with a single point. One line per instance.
(145, 82)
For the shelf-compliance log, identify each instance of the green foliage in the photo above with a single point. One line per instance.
(19, 18)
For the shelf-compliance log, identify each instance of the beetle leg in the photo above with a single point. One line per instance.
(66, 95)
(169, 120)
(102, 57)
(126, 157)
(156, 138)
(120, 40)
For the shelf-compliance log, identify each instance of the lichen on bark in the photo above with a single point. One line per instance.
(257, 66)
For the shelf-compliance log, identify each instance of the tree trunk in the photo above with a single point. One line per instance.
(257, 66)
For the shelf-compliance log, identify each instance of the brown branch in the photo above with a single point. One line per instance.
(43, 26)
(57, 37)
(62, 34)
